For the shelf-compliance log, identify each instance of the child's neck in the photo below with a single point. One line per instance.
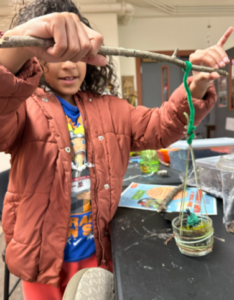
(69, 98)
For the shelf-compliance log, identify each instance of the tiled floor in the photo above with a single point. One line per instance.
(17, 295)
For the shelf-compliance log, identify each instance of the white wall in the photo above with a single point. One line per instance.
(107, 25)
(4, 158)
(170, 33)
(4, 161)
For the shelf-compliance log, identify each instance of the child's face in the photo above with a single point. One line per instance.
(65, 78)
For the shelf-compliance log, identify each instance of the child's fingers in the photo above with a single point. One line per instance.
(71, 41)
(219, 59)
(202, 57)
(214, 57)
(214, 76)
(78, 43)
(223, 57)
(90, 41)
(60, 37)
(96, 40)
(225, 37)
(85, 44)
(207, 77)
(74, 41)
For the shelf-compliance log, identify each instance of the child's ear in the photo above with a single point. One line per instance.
(42, 62)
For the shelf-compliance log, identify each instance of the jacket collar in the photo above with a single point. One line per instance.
(53, 111)
(55, 114)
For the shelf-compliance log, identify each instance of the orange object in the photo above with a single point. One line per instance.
(163, 155)
(224, 149)
(161, 192)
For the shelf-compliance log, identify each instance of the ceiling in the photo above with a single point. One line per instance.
(182, 8)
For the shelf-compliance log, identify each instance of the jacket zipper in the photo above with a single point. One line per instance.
(103, 261)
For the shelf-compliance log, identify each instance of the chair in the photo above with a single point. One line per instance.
(4, 178)
(91, 283)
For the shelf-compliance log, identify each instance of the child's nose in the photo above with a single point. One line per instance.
(68, 65)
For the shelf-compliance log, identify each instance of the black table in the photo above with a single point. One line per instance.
(146, 269)
(133, 170)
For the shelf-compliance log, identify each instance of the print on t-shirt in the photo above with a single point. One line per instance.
(80, 242)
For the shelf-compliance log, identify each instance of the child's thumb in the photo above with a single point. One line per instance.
(97, 60)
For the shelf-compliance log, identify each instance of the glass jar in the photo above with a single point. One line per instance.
(149, 161)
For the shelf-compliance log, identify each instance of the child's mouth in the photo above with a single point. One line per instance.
(68, 80)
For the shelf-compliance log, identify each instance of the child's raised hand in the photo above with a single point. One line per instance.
(214, 57)
(74, 41)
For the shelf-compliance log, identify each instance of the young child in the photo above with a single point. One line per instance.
(70, 144)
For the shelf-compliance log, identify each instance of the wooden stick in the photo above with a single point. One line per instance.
(27, 41)
(169, 197)
(175, 53)
(170, 238)
(163, 163)
(222, 240)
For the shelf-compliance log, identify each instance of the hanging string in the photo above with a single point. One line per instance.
(191, 136)
(197, 244)
(191, 127)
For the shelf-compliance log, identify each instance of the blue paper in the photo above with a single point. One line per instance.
(143, 196)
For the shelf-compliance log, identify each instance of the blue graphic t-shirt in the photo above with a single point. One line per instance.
(80, 241)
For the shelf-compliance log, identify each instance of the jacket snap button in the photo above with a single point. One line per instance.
(68, 149)
(90, 100)
(100, 137)
(106, 186)
(45, 100)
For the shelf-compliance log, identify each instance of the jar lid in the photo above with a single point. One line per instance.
(226, 163)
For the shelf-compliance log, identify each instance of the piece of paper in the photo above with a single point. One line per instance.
(229, 124)
(135, 159)
(143, 196)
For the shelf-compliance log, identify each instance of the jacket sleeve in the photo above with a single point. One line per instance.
(14, 90)
(159, 127)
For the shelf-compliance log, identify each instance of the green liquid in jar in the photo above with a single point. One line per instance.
(149, 161)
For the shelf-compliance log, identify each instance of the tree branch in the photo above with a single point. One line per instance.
(169, 197)
(27, 41)
(175, 53)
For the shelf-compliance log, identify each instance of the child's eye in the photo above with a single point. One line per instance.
(83, 142)
(72, 144)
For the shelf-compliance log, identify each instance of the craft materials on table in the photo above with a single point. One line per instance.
(209, 174)
(202, 148)
(155, 161)
(163, 155)
(194, 238)
(133, 173)
(134, 159)
(149, 197)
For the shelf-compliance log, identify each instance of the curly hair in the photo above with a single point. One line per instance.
(97, 79)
